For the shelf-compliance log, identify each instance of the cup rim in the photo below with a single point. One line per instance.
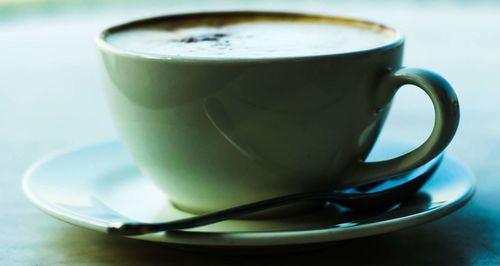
(105, 46)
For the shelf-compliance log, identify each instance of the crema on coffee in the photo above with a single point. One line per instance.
(248, 36)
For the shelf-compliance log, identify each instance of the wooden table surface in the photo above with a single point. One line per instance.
(50, 97)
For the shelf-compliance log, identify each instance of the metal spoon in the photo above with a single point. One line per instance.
(383, 196)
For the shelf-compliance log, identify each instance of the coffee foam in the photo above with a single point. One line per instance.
(250, 36)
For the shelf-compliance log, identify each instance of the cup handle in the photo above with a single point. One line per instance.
(447, 116)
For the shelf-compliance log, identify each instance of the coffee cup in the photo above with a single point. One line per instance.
(221, 109)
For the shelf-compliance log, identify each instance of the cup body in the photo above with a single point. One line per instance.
(216, 133)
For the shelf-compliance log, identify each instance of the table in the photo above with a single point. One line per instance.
(51, 96)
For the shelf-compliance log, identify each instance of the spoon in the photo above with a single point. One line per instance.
(382, 196)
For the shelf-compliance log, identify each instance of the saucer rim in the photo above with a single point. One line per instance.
(240, 238)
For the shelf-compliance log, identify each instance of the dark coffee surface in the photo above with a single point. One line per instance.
(249, 36)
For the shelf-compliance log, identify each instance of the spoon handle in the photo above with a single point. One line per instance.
(214, 217)
(366, 201)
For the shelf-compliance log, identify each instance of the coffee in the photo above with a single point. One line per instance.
(249, 36)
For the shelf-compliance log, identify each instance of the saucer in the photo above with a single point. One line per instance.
(96, 185)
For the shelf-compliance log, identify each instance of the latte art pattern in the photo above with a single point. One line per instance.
(249, 38)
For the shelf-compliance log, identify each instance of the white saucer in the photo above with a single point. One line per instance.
(96, 185)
